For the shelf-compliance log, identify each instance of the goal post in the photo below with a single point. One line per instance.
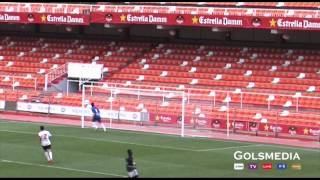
(83, 105)
(122, 107)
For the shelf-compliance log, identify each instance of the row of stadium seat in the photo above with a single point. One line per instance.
(247, 99)
(244, 114)
(37, 56)
(169, 63)
(225, 77)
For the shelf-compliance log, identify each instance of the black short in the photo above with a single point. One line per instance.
(46, 147)
(96, 119)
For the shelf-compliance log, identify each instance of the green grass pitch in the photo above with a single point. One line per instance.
(88, 153)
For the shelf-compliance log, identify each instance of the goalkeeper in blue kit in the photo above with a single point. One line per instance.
(96, 118)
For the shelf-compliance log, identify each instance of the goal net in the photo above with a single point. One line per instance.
(152, 109)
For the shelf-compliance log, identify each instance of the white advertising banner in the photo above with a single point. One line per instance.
(82, 70)
(76, 111)
(32, 107)
(2, 104)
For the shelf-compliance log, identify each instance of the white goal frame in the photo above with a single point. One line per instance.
(139, 92)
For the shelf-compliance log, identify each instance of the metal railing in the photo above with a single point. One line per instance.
(197, 95)
(55, 74)
(15, 79)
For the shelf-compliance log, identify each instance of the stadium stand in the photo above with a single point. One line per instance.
(259, 80)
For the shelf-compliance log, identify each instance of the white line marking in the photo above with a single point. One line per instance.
(58, 167)
(232, 147)
(105, 140)
(130, 131)
(279, 146)
(133, 131)
(157, 146)
(166, 147)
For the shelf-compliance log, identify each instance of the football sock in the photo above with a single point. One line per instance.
(47, 155)
(104, 128)
(94, 125)
(50, 154)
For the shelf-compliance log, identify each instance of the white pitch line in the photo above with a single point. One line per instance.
(130, 130)
(291, 147)
(124, 142)
(167, 147)
(105, 140)
(139, 132)
(164, 147)
(58, 167)
(266, 145)
(232, 147)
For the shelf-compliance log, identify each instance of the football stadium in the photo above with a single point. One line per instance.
(159, 89)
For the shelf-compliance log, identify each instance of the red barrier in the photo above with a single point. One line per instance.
(207, 20)
(243, 126)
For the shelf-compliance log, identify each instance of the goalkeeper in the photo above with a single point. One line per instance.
(96, 118)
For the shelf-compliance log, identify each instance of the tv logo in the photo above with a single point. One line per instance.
(282, 166)
(296, 166)
(252, 166)
(267, 166)
(238, 166)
